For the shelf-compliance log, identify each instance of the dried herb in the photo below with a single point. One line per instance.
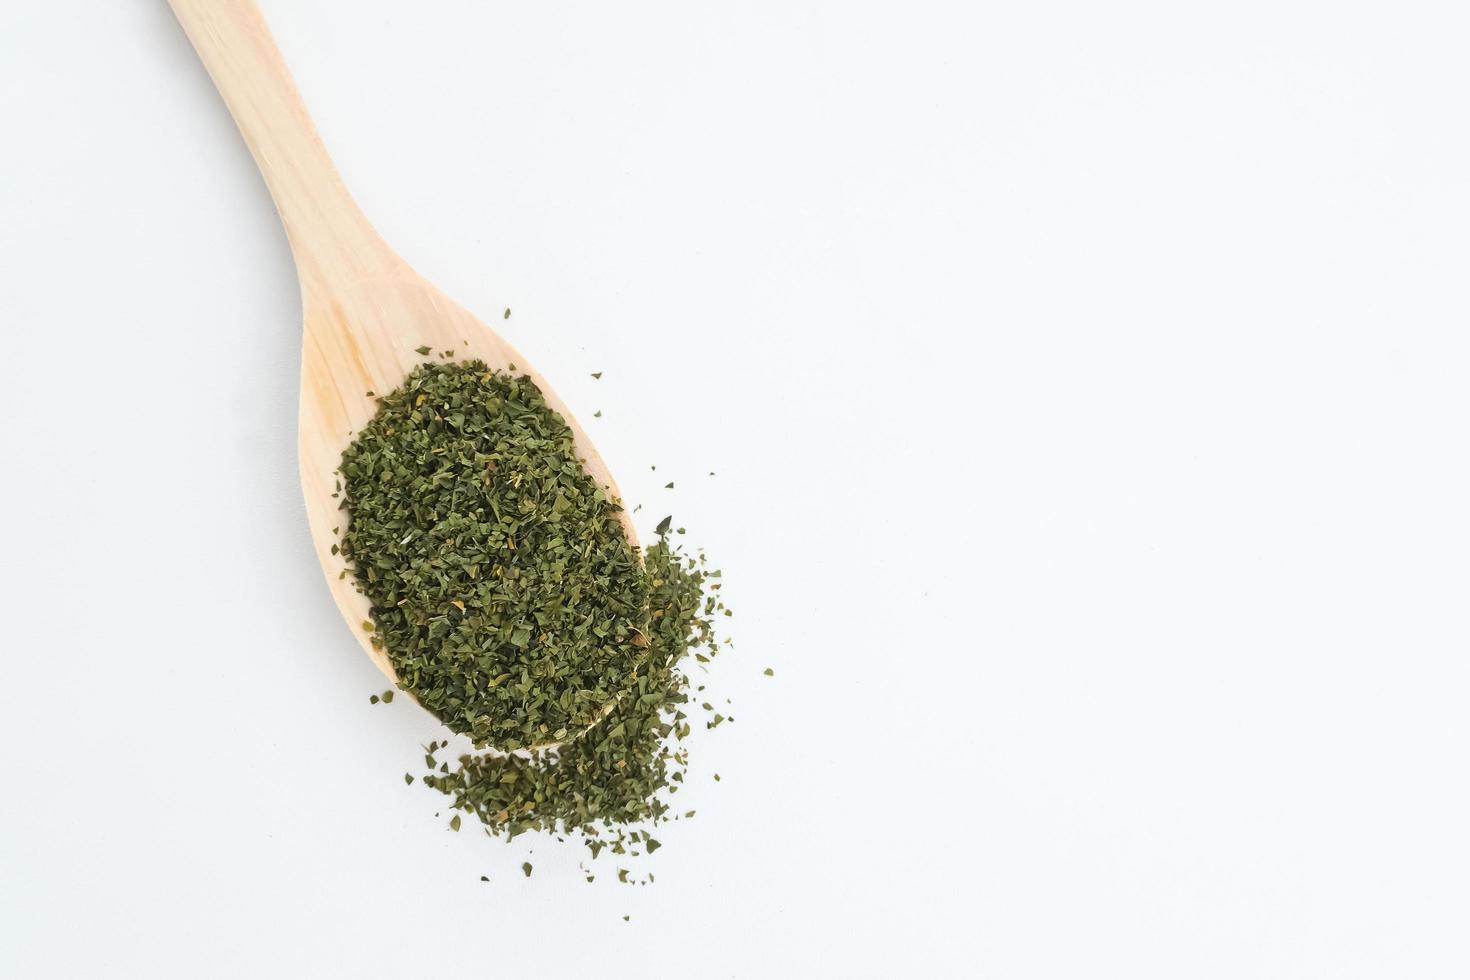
(512, 606)
(503, 588)
(610, 784)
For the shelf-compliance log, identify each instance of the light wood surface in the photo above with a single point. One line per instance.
(365, 311)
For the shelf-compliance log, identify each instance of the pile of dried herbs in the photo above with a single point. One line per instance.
(513, 607)
(504, 590)
(611, 779)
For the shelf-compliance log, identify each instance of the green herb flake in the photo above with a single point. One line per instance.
(421, 351)
(526, 868)
(454, 823)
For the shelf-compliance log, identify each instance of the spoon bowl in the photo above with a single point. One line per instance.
(360, 341)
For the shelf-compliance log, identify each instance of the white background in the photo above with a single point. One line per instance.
(1086, 389)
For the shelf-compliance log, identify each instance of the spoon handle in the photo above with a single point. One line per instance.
(330, 237)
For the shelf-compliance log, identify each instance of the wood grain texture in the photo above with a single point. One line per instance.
(365, 310)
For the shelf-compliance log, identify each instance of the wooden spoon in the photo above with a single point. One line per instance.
(365, 310)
